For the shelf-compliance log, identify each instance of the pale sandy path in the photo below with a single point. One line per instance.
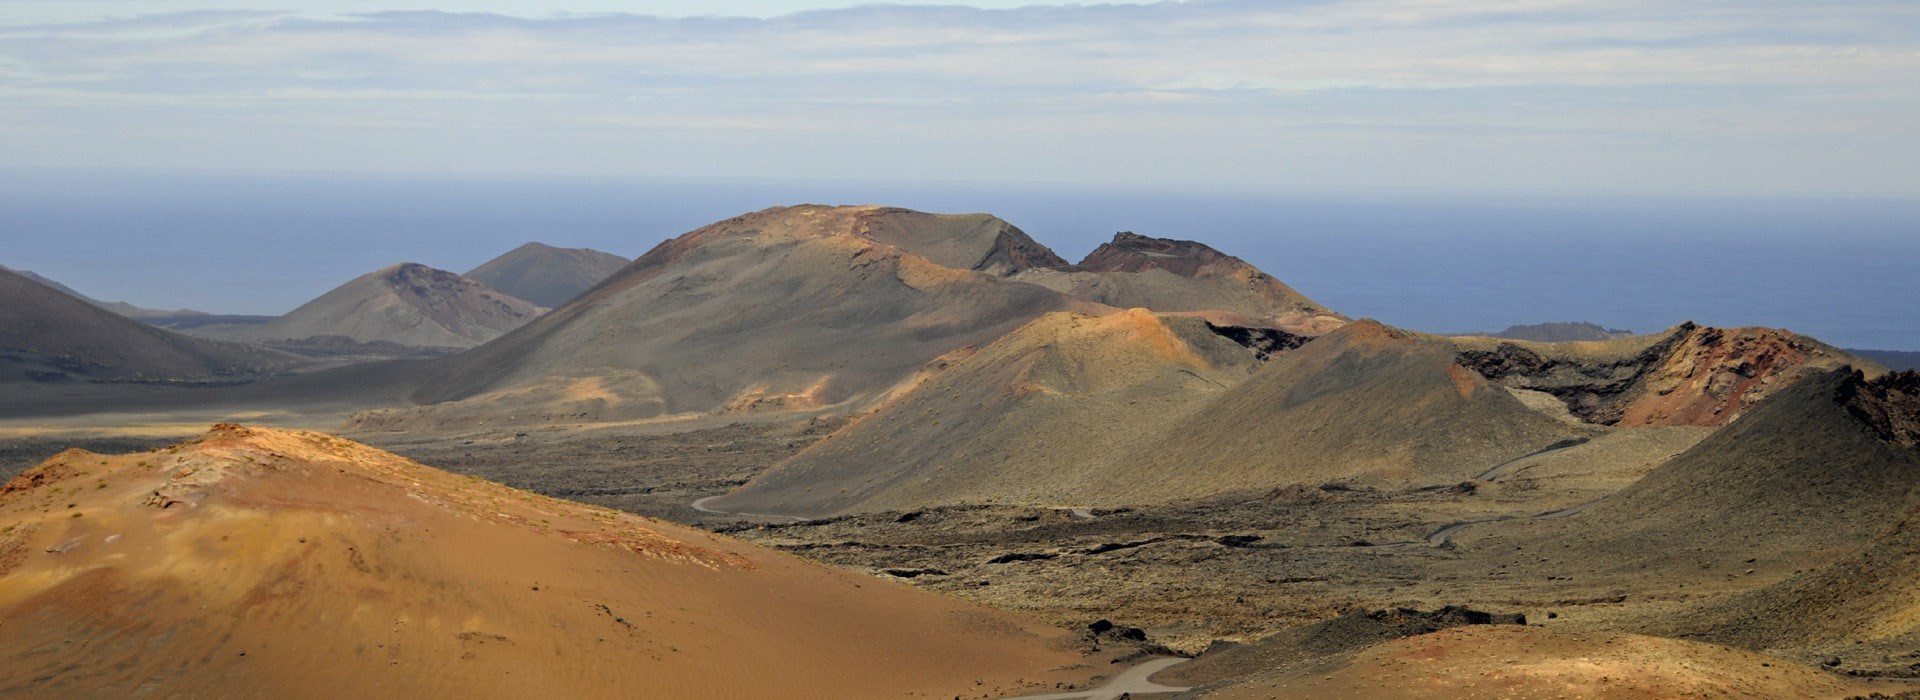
(1502, 468)
(1132, 681)
(701, 505)
(1440, 538)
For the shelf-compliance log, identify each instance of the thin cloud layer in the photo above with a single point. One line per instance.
(1572, 94)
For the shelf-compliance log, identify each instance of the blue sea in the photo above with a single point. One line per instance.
(1841, 270)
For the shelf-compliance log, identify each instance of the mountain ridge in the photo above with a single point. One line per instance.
(53, 336)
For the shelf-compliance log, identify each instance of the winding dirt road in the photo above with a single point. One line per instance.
(701, 505)
(1440, 538)
(1131, 682)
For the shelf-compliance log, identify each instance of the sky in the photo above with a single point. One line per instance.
(1719, 97)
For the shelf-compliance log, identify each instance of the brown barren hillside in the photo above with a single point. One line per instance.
(1872, 595)
(409, 304)
(268, 563)
(1035, 417)
(1134, 409)
(1172, 275)
(49, 335)
(546, 275)
(1689, 375)
(976, 242)
(793, 308)
(1365, 403)
(1811, 473)
(1496, 662)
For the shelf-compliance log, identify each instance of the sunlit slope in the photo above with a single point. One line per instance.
(1037, 417)
(1495, 662)
(268, 563)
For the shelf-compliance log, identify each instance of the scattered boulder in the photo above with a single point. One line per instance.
(913, 573)
(1339, 635)
(1106, 629)
(1264, 342)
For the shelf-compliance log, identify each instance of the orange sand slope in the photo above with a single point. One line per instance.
(271, 563)
(1511, 661)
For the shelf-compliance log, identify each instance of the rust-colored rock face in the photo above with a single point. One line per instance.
(1696, 375)
(1711, 375)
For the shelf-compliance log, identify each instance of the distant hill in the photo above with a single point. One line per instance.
(1174, 275)
(1559, 332)
(50, 335)
(407, 304)
(118, 307)
(546, 275)
(271, 563)
(1893, 359)
(200, 321)
(787, 309)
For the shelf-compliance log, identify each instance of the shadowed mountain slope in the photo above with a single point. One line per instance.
(1818, 452)
(1871, 595)
(276, 563)
(118, 307)
(792, 308)
(49, 335)
(409, 304)
(1173, 275)
(546, 275)
(1036, 417)
(1132, 409)
(1364, 403)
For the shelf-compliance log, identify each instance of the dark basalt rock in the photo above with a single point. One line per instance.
(1264, 342)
